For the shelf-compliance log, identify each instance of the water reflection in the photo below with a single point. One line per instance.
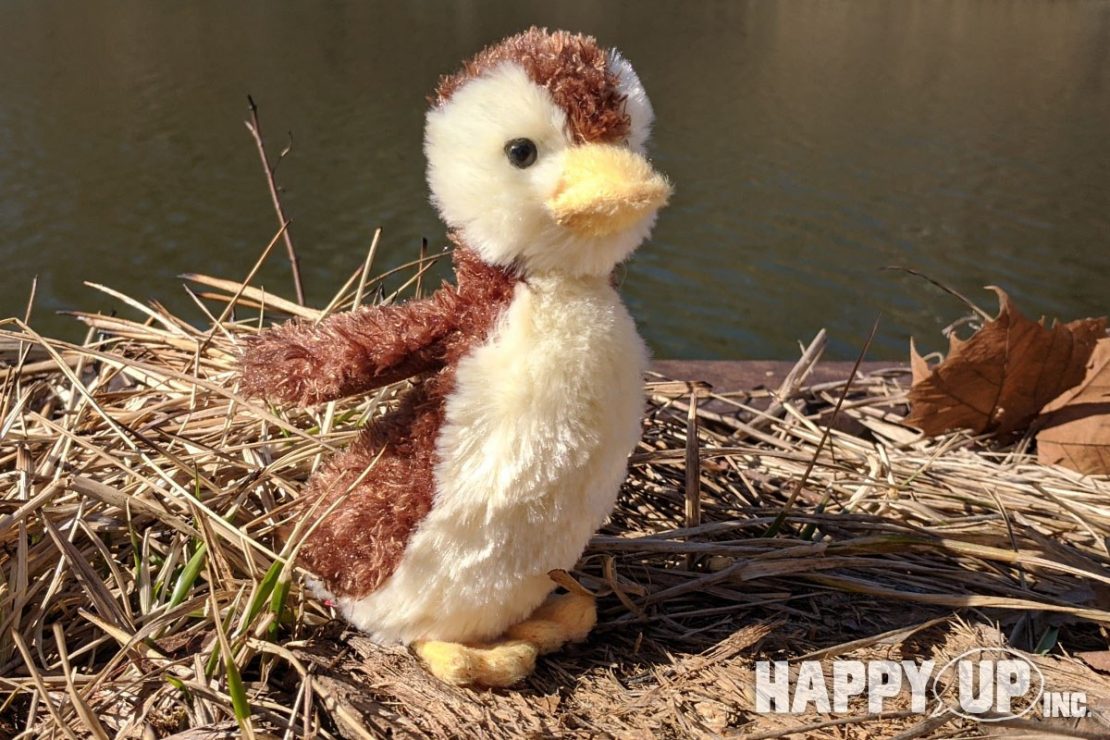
(812, 143)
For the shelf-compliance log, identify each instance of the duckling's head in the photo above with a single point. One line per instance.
(536, 155)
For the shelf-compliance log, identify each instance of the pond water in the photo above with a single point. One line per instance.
(811, 143)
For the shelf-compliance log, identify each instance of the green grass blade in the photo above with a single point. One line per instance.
(188, 576)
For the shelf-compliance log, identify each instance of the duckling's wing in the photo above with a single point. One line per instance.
(354, 352)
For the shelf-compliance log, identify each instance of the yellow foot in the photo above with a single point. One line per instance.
(559, 620)
(496, 666)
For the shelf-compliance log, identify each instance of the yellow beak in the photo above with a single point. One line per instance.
(605, 189)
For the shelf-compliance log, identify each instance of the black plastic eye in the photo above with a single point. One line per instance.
(521, 153)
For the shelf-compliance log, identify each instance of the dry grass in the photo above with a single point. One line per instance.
(144, 590)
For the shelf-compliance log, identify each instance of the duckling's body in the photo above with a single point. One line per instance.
(442, 521)
(531, 455)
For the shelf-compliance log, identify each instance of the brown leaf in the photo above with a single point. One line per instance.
(997, 380)
(1097, 659)
(919, 369)
(1075, 428)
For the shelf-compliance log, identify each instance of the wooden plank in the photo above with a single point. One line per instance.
(740, 375)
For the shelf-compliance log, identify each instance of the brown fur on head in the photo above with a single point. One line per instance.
(572, 67)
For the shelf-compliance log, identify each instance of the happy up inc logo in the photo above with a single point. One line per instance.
(989, 684)
(983, 684)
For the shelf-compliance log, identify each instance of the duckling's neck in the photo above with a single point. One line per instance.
(557, 281)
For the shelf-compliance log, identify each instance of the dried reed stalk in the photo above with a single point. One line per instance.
(145, 589)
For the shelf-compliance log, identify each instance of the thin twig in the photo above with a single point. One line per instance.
(366, 267)
(255, 128)
(950, 291)
(418, 290)
(693, 472)
(801, 482)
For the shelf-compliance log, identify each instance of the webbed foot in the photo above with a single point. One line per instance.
(496, 666)
(561, 619)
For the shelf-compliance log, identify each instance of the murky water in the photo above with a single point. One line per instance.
(812, 143)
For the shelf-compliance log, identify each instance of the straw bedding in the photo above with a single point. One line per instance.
(145, 591)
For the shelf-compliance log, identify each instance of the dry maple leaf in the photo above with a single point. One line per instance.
(1075, 428)
(1097, 659)
(997, 380)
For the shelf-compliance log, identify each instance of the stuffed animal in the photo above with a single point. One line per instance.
(440, 524)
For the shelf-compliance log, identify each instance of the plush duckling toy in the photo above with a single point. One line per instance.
(507, 452)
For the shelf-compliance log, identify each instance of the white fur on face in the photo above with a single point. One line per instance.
(500, 210)
(636, 103)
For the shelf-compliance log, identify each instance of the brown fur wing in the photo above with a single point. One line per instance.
(372, 346)
(356, 547)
